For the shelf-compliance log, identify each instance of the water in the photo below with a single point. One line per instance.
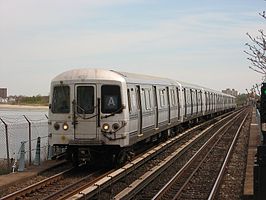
(18, 130)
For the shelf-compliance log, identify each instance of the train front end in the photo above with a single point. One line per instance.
(87, 114)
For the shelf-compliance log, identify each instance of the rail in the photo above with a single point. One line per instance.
(223, 168)
(190, 165)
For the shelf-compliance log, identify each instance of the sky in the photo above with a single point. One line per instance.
(200, 42)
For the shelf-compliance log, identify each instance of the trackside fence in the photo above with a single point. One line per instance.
(22, 129)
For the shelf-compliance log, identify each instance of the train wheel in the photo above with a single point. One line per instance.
(122, 158)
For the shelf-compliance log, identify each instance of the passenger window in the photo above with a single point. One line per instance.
(111, 98)
(133, 99)
(188, 98)
(147, 95)
(173, 97)
(162, 97)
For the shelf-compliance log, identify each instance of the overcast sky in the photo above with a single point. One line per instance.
(200, 42)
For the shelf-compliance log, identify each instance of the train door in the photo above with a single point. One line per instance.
(201, 101)
(139, 108)
(206, 102)
(168, 105)
(185, 102)
(85, 111)
(155, 106)
(178, 103)
(197, 101)
(191, 92)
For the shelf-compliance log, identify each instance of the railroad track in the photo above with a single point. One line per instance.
(129, 180)
(199, 178)
(58, 185)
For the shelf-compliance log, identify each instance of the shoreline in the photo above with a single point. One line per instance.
(9, 106)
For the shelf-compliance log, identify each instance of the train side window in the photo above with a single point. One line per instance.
(209, 97)
(111, 98)
(188, 98)
(162, 98)
(173, 97)
(61, 99)
(191, 96)
(133, 99)
(206, 102)
(197, 100)
(201, 101)
(147, 95)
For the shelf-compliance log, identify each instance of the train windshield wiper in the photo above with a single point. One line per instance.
(113, 113)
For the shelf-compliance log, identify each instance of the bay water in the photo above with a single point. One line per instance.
(17, 125)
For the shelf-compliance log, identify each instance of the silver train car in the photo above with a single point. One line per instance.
(104, 115)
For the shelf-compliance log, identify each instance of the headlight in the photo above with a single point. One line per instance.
(105, 127)
(65, 126)
(56, 126)
(115, 126)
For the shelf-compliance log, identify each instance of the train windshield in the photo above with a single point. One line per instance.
(111, 98)
(61, 99)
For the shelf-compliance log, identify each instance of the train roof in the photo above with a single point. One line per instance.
(87, 74)
(144, 79)
(102, 74)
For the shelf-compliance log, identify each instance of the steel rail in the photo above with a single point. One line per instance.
(63, 194)
(149, 176)
(180, 173)
(223, 168)
(36, 186)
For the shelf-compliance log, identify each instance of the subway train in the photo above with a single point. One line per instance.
(102, 115)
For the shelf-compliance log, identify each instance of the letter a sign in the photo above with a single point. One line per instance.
(111, 102)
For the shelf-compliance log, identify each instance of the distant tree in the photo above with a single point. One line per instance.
(34, 100)
(241, 99)
(256, 50)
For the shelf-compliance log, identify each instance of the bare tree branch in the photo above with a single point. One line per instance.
(256, 70)
(263, 14)
(257, 50)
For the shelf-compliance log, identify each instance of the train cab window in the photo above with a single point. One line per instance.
(85, 99)
(111, 98)
(61, 99)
